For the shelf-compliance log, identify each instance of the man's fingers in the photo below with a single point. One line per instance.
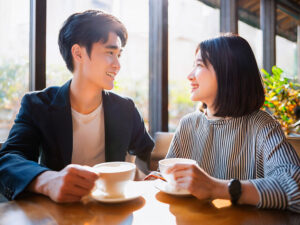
(85, 172)
(68, 198)
(79, 181)
(76, 190)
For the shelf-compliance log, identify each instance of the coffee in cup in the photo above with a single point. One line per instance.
(113, 177)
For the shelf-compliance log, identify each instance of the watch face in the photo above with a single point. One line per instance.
(235, 187)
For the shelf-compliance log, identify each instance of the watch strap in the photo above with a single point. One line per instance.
(235, 190)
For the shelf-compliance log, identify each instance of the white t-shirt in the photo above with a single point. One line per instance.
(88, 137)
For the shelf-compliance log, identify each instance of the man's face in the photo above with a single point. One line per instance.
(103, 64)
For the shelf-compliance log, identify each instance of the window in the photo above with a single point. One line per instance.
(203, 23)
(254, 38)
(14, 60)
(286, 57)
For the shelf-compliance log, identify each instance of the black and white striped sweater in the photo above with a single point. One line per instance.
(251, 147)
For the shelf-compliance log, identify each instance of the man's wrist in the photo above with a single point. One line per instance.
(38, 183)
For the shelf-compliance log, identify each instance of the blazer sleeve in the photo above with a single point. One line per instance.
(141, 143)
(19, 154)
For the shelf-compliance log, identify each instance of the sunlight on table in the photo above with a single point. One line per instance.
(221, 203)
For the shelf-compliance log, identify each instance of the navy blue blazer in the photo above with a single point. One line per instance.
(42, 136)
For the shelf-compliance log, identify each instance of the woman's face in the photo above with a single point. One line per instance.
(203, 82)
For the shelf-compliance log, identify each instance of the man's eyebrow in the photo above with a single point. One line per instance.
(112, 47)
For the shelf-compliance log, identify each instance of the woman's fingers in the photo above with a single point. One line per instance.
(183, 167)
(186, 175)
(179, 174)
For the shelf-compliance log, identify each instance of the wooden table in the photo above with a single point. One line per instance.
(153, 207)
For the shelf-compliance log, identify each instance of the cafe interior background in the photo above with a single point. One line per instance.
(188, 23)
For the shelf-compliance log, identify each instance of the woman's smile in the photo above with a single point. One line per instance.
(194, 86)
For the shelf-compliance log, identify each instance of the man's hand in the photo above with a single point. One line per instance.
(67, 185)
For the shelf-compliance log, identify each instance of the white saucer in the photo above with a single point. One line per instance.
(162, 186)
(129, 194)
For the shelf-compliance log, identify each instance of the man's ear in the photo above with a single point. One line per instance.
(77, 52)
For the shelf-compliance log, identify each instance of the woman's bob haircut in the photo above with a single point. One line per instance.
(240, 88)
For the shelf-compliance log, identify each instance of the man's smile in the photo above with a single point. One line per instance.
(111, 74)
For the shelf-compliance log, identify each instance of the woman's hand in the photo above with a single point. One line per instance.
(194, 179)
(204, 186)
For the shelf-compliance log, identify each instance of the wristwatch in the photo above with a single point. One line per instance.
(235, 190)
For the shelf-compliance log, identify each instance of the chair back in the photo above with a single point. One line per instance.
(162, 143)
(295, 142)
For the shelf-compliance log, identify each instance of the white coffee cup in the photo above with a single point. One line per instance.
(113, 177)
(164, 164)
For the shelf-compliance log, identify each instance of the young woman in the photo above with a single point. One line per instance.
(241, 151)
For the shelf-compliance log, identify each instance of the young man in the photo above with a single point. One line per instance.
(61, 130)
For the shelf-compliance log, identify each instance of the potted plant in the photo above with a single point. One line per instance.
(282, 100)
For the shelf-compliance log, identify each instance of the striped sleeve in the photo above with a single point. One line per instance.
(279, 187)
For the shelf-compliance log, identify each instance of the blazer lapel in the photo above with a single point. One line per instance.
(60, 111)
(108, 108)
(113, 126)
(118, 126)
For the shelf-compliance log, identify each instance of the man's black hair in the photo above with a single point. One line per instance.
(87, 28)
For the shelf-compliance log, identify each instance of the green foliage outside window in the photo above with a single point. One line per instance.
(13, 85)
(282, 98)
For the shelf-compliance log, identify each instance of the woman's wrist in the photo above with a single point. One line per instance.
(249, 195)
(219, 189)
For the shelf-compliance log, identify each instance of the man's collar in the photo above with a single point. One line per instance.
(62, 98)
